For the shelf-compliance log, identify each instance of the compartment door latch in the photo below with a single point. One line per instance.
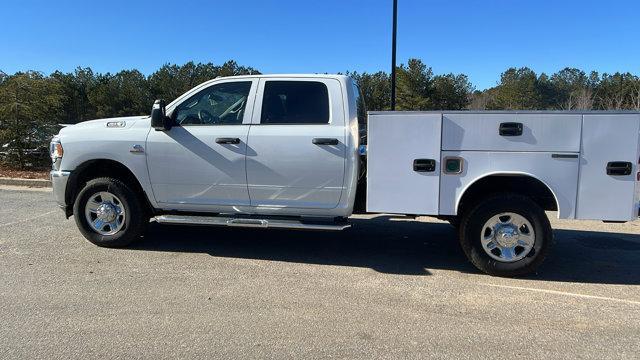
(510, 129)
(619, 168)
(424, 165)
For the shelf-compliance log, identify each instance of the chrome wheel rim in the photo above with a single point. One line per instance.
(507, 237)
(105, 213)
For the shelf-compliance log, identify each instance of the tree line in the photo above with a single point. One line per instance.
(32, 104)
(518, 89)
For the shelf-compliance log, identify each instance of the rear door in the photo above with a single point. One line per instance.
(296, 149)
(608, 167)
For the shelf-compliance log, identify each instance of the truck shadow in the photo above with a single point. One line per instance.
(395, 246)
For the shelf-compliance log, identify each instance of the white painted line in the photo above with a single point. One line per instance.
(24, 188)
(584, 296)
(29, 219)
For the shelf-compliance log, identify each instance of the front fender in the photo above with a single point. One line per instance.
(83, 145)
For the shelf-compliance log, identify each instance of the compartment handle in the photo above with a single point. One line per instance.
(424, 165)
(510, 129)
(619, 168)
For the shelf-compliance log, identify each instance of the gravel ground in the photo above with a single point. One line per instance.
(387, 288)
(24, 174)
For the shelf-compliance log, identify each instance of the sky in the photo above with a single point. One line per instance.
(477, 38)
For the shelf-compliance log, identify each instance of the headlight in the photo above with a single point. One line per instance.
(55, 149)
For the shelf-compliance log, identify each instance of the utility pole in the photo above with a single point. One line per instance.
(393, 55)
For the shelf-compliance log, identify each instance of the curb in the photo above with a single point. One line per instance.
(40, 183)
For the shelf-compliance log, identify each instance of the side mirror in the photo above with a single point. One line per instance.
(159, 119)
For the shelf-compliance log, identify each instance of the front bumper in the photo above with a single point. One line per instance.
(59, 183)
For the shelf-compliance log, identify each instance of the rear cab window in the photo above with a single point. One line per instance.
(295, 103)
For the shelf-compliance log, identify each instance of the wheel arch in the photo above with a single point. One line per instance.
(95, 168)
(522, 183)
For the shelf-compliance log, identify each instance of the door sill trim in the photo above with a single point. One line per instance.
(297, 224)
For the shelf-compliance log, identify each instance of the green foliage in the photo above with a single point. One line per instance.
(568, 89)
(375, 88)
(416, 89)
(171, 80)
(451, 92)
(122, 94)
(76, 87)
(519, 89)
(618, 92)
(414, 86)
(30, 106)
(571, 85)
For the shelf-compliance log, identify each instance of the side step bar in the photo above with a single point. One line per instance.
(249, 222)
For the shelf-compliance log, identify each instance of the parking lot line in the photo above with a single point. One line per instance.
(556, 292)
(29, 219)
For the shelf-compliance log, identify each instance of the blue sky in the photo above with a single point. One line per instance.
(478, 38)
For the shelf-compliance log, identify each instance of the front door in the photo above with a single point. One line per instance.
(296, 152)
(200, 162)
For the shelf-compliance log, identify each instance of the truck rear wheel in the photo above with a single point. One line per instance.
(506, 235)
(109, 214)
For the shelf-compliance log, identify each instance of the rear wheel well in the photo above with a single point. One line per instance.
(101, 168)
(524, 185)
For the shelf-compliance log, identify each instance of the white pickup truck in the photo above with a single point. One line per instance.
(300, 152)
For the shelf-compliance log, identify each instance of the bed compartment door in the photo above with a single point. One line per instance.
(490, 131)
(403, 163)
(605, 191)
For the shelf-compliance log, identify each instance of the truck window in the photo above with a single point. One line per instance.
(295, 102)
(361, 106)
(362, 114)
(221, 104)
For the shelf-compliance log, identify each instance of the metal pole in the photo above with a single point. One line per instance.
(393, 55)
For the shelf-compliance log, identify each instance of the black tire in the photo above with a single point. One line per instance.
(135, 218)
(472, 228)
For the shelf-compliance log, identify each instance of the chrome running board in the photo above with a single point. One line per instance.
(249, 222)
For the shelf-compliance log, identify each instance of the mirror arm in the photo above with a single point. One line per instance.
(168, 123)
(159, 119)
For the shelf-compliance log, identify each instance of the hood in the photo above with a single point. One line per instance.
(108, 123)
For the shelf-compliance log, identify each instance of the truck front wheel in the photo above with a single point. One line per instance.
(506, 235)
(108, 213)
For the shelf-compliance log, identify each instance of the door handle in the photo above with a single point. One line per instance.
(424, 165)
(510, 129)
(324, 141)
(228, 140)
(619, 168)
(564, 156)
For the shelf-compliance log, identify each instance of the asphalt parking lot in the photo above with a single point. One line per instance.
(387, 288)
